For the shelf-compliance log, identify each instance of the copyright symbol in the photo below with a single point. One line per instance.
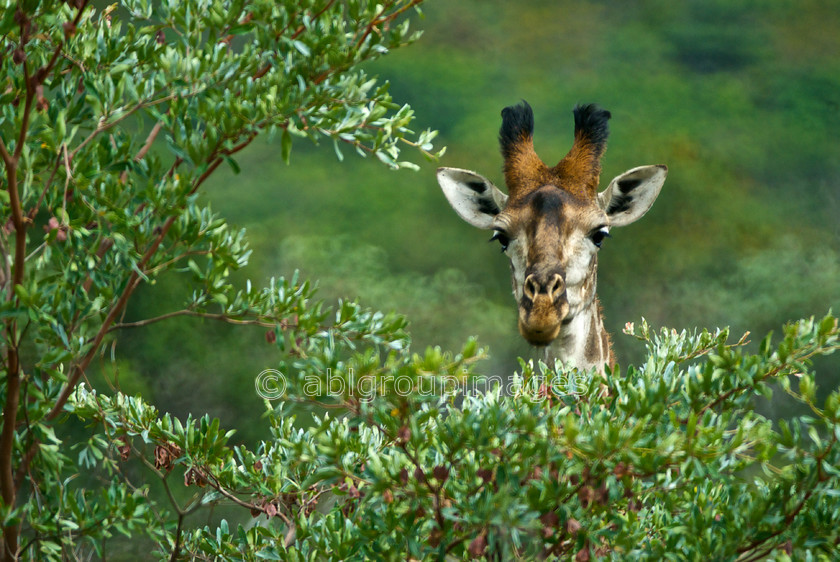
(270, 384)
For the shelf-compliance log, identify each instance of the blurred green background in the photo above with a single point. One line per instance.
(740, 99)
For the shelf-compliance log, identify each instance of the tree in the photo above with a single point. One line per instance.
(110, 124)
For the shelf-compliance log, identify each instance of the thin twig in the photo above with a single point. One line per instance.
(130, 286)
(145, 148)
(104, 125)
(34, 210)
(194, 313)
(69, 176)
(149, 141)
(216, 485)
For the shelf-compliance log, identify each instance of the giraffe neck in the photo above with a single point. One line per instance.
(583, 342)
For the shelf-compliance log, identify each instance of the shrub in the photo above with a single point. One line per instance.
(419, 458)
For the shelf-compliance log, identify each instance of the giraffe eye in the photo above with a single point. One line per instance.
(598, 236)
(503, 239)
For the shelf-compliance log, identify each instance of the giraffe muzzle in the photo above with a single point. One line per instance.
(542, 308)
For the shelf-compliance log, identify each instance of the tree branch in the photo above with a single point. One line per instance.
(4, 153)
(116, 310)
(145, 148)
(12, 402)
(788, 520)
(34, 210)
(193, 313)
(132, 283)
(149, 141)
(105, 125)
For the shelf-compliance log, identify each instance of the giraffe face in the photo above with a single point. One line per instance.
(551, 238)
(552, 221)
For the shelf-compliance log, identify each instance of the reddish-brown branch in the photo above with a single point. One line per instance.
(10, 409)
(251, 136)
(381, 18)
(788, 520)
(4, 154)
(25, 462)
(145, 148)
(302, 28)
(149, 141)
(27, 110)
(13, 374)
(262, 72)
(34, 210)
(43, 72)
(210, 169)
(104, 246)
(214, 483)
(133, 281)
(105, 125)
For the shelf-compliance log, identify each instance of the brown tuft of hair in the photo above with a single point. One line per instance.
(581, 168)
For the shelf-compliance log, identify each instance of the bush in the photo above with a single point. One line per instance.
(417, 458)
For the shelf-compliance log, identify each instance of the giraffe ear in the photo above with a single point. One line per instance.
(474, 197)
(631, 195)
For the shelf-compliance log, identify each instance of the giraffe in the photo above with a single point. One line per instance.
(551, 224)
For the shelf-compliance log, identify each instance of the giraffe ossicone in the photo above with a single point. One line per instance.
(551, 224)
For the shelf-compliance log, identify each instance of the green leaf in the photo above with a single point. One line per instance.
(322, 474)
(269, 554)
(61, 125)
(338, 153)
(232, 163)
(302, 48)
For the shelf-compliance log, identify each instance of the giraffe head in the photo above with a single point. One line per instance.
(552, 221)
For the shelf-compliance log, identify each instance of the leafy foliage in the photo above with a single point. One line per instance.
(111, 123)
(666, 462)
(93, 209)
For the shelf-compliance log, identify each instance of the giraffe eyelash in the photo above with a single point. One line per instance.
(598, 235)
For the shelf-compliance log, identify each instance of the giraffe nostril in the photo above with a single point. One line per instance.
(531, 287)
(556, 287)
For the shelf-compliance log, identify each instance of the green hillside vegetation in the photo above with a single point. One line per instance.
(741, 101)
